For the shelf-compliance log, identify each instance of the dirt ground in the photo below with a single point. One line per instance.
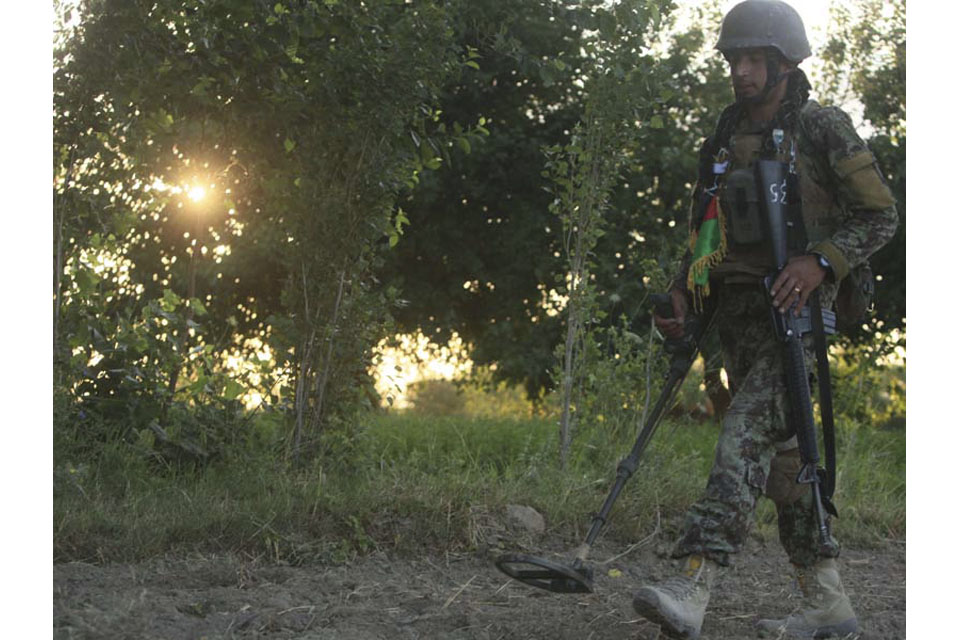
(451, 596)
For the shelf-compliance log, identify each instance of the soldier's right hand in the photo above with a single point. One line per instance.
(673, 327)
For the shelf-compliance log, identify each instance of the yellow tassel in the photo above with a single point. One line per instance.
(708, 261)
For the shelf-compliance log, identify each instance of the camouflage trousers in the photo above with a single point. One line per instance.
(756, 451)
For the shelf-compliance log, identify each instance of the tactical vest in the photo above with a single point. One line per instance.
(819, 187)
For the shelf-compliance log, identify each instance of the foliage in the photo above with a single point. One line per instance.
(479, 247)
(865, 60)
(868, 388)
(621, 365)
(481, 396)
(375, 166)
(438, 484)
(483, 250)
(625, 92)
(303, 122)
(437, 398)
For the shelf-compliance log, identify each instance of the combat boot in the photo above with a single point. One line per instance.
(677, 604)
(826, 610)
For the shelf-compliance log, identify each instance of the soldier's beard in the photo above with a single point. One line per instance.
(757, 98)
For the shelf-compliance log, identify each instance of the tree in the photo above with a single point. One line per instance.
(303, 121)
(483, 252)
(479, 247)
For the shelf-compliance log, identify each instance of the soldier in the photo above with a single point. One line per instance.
(849, 213)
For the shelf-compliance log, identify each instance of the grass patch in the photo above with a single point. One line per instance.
(415, 483)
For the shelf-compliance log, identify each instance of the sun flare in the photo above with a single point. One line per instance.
(197, 194)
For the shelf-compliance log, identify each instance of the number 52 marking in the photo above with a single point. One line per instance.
(778, 193)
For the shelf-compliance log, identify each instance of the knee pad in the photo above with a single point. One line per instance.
(782, 485)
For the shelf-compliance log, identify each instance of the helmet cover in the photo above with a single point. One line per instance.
(765, 23)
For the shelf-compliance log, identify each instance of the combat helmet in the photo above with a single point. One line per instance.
(765, 23)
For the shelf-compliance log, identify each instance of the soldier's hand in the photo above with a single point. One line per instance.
(674, 327)
(800, 276)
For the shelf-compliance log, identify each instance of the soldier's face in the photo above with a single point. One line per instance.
(748, 72)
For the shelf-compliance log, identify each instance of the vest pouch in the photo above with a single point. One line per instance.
(855, 299)
(740, 202)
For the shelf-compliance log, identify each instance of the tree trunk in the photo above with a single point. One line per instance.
(324, 377)
(57, 280)
(59, 218)
(300, 396)
(566, 418)
(582, 219)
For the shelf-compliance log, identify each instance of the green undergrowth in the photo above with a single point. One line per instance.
(410, 484)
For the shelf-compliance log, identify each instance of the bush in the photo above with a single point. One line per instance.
(436, 398)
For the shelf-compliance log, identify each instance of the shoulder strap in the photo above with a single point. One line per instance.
(826, 400)
(807, 112)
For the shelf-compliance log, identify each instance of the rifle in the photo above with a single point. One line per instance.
(778, 191)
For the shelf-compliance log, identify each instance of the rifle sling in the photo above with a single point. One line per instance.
(797, 234)
(826, 397)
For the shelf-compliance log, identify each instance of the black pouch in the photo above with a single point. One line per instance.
(742, 208)
(855, 299)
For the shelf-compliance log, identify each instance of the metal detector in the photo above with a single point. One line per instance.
(577, 576)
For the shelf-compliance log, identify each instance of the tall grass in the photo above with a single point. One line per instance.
(406, 483)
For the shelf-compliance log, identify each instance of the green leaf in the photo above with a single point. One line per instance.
(402, 219)
(294, 58)
(232, 390)
(607, 24)
(546, 74)
(170, 300)
(426, 151)
(87, 280)
(472, 65)
(289, 145)
(656, 122)
(145, 438)
(198, 307)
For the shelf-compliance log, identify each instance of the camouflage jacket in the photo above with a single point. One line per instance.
(848, 209)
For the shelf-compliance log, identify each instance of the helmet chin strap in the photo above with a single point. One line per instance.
(774, 75)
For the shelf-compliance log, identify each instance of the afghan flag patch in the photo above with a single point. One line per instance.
(709, 244)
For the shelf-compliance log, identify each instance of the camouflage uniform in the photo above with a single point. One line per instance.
(849, 213)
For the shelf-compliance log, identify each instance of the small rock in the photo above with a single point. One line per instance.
(526, 518)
